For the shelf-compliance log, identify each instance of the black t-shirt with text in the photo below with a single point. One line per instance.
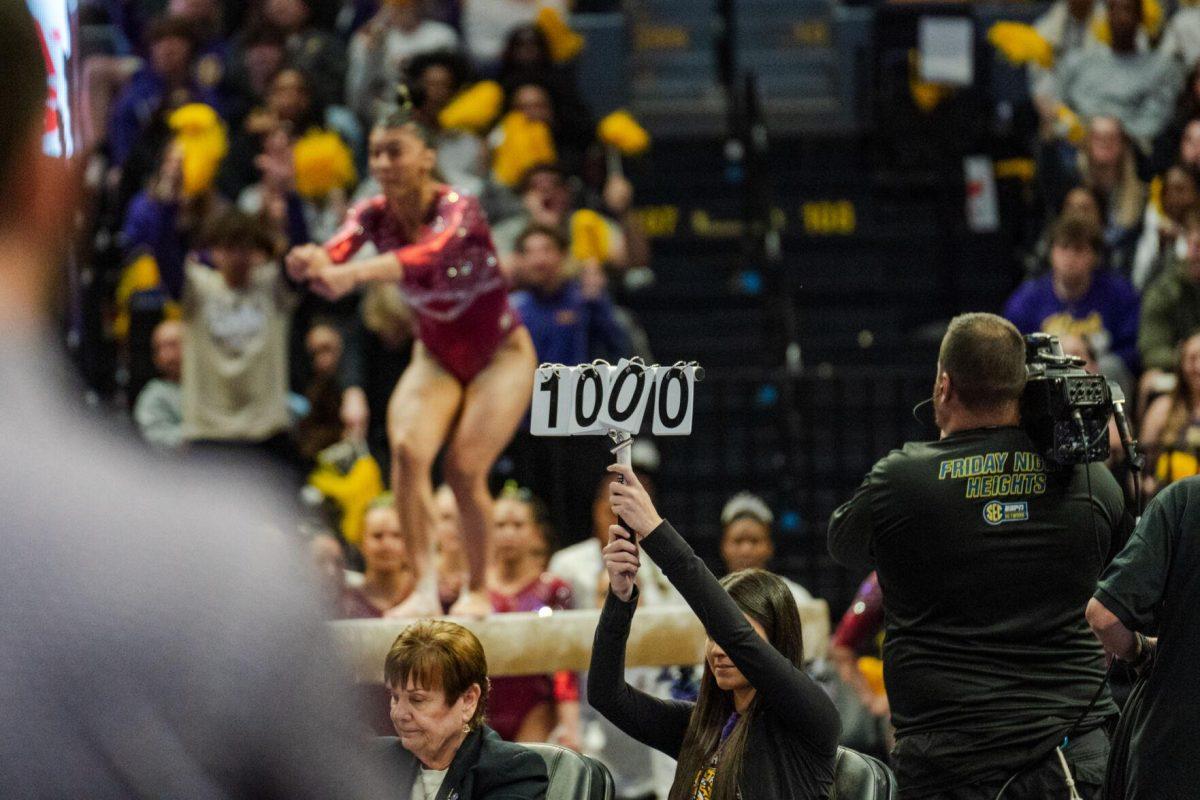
(987, 560)
(1153, 586)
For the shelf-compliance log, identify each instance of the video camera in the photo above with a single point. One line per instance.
(1064, 408)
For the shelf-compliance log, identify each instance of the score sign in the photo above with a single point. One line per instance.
(595, 398)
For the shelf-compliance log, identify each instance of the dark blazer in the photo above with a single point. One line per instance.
(485, 768)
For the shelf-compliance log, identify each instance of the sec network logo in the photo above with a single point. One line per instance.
(998, 513)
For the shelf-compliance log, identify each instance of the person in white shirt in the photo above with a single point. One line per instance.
(487, 23)
(381, 50)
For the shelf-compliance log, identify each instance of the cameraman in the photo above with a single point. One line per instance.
(987, 561)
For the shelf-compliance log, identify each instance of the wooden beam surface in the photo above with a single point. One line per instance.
(533, 643)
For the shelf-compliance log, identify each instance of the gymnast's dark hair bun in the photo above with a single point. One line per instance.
(404, 115)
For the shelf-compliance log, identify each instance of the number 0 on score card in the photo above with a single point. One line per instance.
(626, 393)
(674, 390)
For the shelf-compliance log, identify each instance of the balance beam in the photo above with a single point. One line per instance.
(536, 643)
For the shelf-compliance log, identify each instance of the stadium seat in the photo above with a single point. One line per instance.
(574, 776)
(860, 777)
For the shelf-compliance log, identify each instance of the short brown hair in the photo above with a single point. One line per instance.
(167, 27)
(537, 169)
(538, 229)
(984, 355)
(235, 228)
(439, 654)
(1191, 219)
(1074, 231)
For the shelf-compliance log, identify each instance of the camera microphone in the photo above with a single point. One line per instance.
(1136, 460)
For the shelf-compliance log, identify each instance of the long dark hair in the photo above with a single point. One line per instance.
(766, 599)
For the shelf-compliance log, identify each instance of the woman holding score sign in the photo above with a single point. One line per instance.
(470, 378)
(760, 728)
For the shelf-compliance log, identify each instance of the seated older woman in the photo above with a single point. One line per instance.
(437, 675)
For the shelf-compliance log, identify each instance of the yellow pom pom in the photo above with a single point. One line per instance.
(524, 143)
(1152, 17)
(620, 130)
(1155, 200)
(926, 95)
(1070, 126)
(589, 236)
(193, 119)
(564, 43)
(1021, 44)
(474, 109)
(323, 163)
(140, 275)
(201, 135)
(1022, 169)
(872, 671)
(1174, 465)
(353, 492)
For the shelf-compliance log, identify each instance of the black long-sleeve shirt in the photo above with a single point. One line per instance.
(986, 559)
(792, 741)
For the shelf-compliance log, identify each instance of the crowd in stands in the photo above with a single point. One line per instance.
(220, 135)
(1118, 166)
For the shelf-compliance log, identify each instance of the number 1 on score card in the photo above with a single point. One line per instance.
(553, 392)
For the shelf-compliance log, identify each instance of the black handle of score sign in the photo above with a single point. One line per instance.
(628, 530)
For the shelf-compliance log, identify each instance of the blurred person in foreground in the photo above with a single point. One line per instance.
(139, 659)
(437, 674)
(987, 558)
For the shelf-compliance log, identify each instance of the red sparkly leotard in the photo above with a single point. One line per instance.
(452, 277)
(513, 697)
(864, 619)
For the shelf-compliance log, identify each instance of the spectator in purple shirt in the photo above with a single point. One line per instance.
(570, 318)
(166, 81)
(1077, 298)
